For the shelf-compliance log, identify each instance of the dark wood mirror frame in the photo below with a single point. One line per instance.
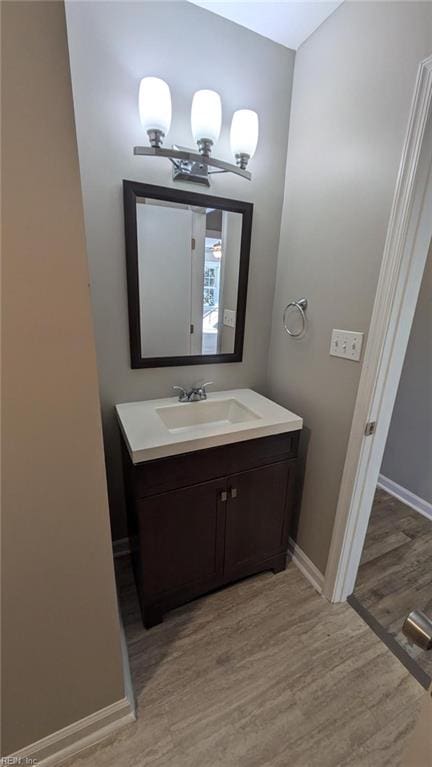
(133, 190)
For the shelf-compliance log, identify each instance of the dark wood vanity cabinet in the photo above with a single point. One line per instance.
(256, 526)
(180, 538)
(203, 519)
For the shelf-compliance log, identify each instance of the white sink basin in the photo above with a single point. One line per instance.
(212, 411)
(162, 427)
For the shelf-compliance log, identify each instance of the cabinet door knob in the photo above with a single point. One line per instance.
(224, 496)
(233, 492)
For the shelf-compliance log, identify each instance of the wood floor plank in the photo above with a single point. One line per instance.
(383, 543)
(265, 673)
(394, 579)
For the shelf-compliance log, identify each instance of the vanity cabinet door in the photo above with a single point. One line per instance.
(181, 537)
(257, 515)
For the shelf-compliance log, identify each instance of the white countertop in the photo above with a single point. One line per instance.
(147, 437)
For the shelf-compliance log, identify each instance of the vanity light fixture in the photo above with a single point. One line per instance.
(154, 104)
(206, 120)
(244, 135)
(217, 249)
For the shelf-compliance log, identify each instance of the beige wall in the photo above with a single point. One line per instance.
(353, 84)
(60, 634)
(112, 45)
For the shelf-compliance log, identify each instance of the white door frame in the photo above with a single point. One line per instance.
(407, 243)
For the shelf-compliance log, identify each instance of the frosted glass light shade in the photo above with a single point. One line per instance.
(244, 132)
(206, 116)
(154, 102)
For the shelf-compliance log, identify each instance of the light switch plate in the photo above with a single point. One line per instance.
(346, 344)
(229, 318)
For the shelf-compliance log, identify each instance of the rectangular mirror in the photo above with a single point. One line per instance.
(187, 258)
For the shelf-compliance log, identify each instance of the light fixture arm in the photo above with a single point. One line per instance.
(192, 166)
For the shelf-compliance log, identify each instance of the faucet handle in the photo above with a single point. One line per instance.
(183, 396)
(202, 388)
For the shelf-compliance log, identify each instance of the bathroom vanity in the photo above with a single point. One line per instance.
(209, 493)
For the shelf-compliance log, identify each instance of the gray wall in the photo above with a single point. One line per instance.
(352, 90)
(112, 45)
(408, 454)
(61, 658)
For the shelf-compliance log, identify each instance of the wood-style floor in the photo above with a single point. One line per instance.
(395, 574)
(265, 673)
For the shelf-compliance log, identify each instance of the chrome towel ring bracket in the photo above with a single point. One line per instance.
(301, 305)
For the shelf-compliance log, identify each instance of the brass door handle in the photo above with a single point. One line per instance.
(224, 496)
(233, 492)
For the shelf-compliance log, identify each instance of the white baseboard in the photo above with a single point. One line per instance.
(121, 547)
(129, 690)
(306, 566)
(76, 737)
(406, 496)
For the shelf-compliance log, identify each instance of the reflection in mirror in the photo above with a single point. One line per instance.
(187, 261)
(188, 275)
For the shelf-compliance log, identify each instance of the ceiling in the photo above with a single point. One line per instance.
(285, 22)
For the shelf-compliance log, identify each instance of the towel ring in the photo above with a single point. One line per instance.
(301, 305)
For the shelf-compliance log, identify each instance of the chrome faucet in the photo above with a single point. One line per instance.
(195, 394)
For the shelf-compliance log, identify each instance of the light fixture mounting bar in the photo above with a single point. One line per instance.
(192, 166)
